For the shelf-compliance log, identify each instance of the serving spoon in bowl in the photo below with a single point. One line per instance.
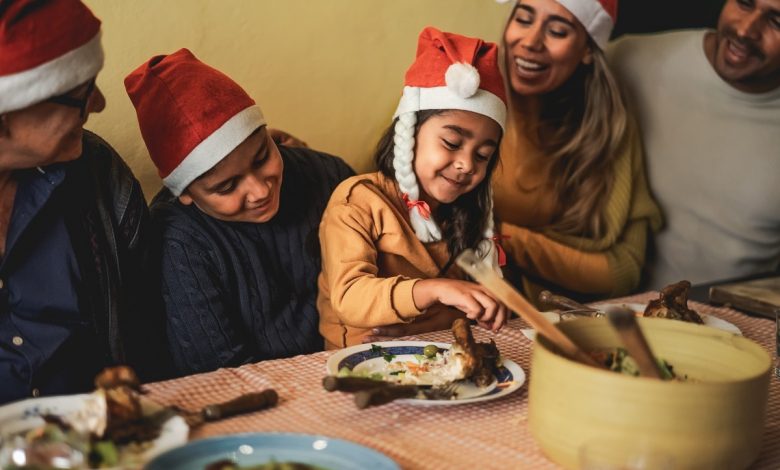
(623, 320)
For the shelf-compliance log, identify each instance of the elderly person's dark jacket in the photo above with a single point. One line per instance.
(89, 216)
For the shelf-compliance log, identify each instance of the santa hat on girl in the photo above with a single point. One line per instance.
(597, 16)
(449, 72)
(46, 49)
(191, 115)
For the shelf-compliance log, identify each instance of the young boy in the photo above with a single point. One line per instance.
(238, 221)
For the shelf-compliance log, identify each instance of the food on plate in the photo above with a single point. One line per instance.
(272, 465)
(464, 360)
(110, 430)
(618, 360)
(673, 304)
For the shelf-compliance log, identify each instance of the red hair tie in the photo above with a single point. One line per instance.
(422, 206)
(500, 249)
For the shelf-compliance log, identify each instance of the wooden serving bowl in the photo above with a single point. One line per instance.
(713, 420)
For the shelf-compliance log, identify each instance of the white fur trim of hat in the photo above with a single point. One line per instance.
(591, 13)
(214, 148)
(66, 72)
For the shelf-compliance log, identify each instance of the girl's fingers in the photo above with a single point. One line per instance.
(489, 305)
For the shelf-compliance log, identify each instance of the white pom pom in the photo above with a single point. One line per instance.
(502, 1)
(462, 79)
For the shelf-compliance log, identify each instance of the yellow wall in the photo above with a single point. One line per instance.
(328, 71)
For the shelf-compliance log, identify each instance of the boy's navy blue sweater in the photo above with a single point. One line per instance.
(240, 292)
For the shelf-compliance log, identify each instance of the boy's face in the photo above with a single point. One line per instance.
(452, 152)
(747, 45)
(244, 186)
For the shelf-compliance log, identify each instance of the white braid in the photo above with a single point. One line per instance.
(487, 247)
(403, 158)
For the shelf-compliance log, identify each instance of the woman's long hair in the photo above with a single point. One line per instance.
(582, 126)
(463, 221)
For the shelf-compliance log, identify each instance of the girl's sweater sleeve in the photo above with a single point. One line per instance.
(359, 296)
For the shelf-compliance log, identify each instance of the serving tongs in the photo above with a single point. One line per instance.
(567, 306)
(370, 392)
(484, 274)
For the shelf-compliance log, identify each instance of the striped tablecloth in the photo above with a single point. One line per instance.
(487, 435)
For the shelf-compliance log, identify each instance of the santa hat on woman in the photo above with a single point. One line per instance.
(46, 49)
(449, 72)
(191, 115)
(597, 16)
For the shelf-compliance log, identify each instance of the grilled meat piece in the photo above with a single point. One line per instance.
(673, 304)
(478, 359)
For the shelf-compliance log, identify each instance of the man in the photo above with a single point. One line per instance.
(71, 213)
(238, 220)
(709, 108)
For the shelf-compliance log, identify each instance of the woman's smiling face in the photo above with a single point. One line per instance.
(452, 152)
(544, 45)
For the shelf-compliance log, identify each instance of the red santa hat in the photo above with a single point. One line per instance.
(46, 49)
(191, 115)
(597, 16)
(450, 72)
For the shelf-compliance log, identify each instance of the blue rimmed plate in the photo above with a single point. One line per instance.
(364, 358)
(258, 448)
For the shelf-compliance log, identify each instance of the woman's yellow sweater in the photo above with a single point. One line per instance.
(524, 203)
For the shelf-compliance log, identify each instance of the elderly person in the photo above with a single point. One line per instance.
(709, 112)
(71, 213)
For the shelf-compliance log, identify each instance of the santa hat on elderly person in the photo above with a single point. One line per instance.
(46, 49)
(597, 16)
(449, 72)
(191, 115)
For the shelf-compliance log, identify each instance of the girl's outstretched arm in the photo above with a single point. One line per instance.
(470, 298)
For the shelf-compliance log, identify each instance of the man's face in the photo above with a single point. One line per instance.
(747, 45)
(47, 132)
(244, 186)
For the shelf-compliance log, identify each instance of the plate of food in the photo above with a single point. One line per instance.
(425, 364)
(113, 427)
(672, 304)
(272, 451)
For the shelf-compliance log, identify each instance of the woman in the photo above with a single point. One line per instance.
(570, 191)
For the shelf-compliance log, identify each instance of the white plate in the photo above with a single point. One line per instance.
(24, 415)
(510, 376)
(709, 320)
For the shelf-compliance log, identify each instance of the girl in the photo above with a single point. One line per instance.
(389, 239)
(571, 190)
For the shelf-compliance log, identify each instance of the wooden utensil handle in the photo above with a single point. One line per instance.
(380, 396)
(624, 322)
(485, 275)
(243, 404)
(548, 298)
(332, 383)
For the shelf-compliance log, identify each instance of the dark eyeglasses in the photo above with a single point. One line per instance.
(73, 102)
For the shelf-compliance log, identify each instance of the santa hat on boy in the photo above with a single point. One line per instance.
(191, 115)
(46, 49)
(597, 16)
(449, 72)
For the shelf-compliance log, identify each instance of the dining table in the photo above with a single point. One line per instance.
(491, 434)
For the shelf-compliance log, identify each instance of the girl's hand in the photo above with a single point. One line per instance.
(470, 298)
(435, 319)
